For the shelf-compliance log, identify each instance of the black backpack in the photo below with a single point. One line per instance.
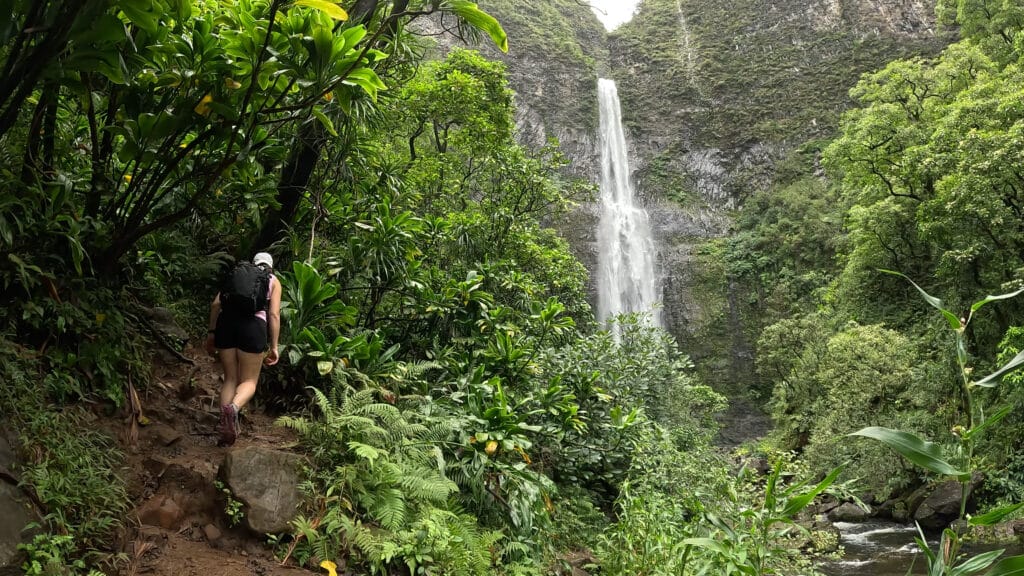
(245, 289)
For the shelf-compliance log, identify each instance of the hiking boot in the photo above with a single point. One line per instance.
(228, 424)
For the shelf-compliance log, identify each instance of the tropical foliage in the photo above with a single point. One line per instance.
(461, 410)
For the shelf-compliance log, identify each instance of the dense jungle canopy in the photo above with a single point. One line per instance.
(457, 406)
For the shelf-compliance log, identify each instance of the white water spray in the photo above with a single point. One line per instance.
(626, 280)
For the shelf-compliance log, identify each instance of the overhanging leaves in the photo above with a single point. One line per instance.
(989, 381)
(927, 455)
(477, 18)
(954, 322)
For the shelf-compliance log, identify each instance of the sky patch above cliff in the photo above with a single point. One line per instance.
(612, 13)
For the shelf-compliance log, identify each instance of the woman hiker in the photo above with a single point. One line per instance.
(245, 317)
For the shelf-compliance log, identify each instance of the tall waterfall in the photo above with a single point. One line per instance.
(626, 279)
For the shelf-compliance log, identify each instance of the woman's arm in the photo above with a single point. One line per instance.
(274, 321)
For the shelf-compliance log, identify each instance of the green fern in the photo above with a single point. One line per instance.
(379, 483)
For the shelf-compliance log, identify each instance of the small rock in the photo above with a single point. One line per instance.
(151, 533)
(156, 465)
(164, 513)
(212, 533)
(165, 435)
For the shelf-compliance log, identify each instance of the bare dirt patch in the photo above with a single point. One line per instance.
(179, 526)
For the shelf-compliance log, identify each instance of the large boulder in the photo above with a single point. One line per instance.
(942, 505)
(848, 512)
(267, 482)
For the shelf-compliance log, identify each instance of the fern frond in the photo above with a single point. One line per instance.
(433, 489)
(389, 509)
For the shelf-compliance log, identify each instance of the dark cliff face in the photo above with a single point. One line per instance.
(555, 50)
(715, 93)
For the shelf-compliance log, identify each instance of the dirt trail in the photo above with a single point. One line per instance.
(179, 526)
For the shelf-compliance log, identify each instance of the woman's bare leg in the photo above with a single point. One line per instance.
(229, 361)
(248, 375)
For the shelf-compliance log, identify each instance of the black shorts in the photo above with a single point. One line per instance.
(247, 333)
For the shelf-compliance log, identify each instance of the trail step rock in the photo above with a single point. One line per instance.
(267, 482)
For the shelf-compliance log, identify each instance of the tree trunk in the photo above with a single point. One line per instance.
(294, 180)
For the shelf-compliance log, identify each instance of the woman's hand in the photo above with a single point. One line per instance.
(210, 346)
(271, 357)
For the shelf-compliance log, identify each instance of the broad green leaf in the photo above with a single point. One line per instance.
(351, 37)
(954, 322)
(994, 516)
(980, 303)
(1012, 566)
(989, 381)
(142, 14)
(366, 79)
(927, 455)
(977, 563)
(330, 8)
(325, 121)
(477, 18)
(796, 504)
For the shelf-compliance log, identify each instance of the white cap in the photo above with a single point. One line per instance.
(263, 259)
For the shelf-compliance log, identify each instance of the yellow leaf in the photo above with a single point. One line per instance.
(329, 96)
(491, 447)
(100, 318)
(203, 108)
(329, 8)
(232, 83)
(331, 567)
(128, 178)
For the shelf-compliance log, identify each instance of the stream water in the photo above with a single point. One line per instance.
(880, 548)
(875, 548)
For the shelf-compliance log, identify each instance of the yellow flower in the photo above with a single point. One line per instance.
(331, 567)
(203, 108)
(100, 318)
(128, 178)
(491, 447)
(329, 96)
